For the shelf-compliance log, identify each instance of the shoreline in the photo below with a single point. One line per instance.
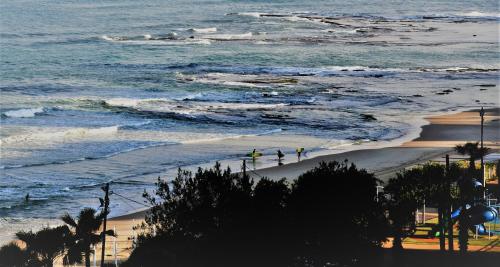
(383, 161)
(421, 152)
(421, 144)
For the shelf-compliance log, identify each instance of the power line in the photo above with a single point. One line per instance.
(129, 199)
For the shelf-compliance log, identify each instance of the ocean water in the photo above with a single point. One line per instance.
(126, 91)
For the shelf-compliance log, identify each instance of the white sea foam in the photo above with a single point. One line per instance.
(24, 113)
(203, 30)
(262, 42)
(112, 38)
(48, 136)
(167, 42)
(224, 37)
(123, 102)
(480, 14)
(228, 137)
(150, 40)
(298, 19)
(250, 14)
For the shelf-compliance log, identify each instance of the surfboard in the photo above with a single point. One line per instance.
(254, 155)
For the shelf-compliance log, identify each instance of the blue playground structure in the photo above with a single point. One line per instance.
(477, 215)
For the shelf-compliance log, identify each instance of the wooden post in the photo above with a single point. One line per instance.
(423, 213)
(114, 247)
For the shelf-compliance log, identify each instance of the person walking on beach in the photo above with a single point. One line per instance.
(280, 157)
(254, 154)
(299, 152)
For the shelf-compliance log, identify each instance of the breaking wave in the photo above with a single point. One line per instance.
(147, 39)
(24, 113)
(48, 136)
(203, 30)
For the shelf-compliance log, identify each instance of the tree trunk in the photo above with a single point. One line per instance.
(450, 227)
(463, 234)
(87, 258)
(472, 165)
(442, 232)
(397, 243)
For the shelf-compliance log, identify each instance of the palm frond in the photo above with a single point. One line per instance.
(110, 233)
(66, 218)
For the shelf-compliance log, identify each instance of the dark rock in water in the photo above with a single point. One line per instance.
(368, 117)
(352, 91)
(377, 75)
(487, 85)
(447, 91)
(456, 88)
(477, 101)
(483, 89)
(417, 95)
(440, 93)
(274, 116)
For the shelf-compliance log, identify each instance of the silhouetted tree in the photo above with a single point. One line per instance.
(473, 151)
(404, 197)
(84, 228)
(467, 188)
(335, 215)
(217, 218)
(11, 255)
(434, 184)
(45, 245)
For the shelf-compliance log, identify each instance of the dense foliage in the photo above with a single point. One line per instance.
(329, 215)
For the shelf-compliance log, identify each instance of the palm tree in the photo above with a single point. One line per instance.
(85, 228)
(466, 188)
(46, 245)
(405, 197)
(474, 152)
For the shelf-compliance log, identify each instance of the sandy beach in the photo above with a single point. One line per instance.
(435, 140)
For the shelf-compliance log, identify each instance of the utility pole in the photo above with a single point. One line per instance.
(481, 113)
(448, 206)
(244, 168)
(106, 203)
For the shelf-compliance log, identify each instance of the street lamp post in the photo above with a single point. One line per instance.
(481, 113)
(381, 187)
